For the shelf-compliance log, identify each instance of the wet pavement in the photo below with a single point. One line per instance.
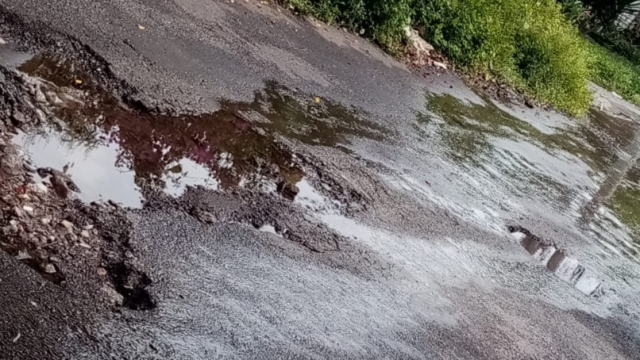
(322, 201)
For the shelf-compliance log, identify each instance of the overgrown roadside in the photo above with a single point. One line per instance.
(529, 45)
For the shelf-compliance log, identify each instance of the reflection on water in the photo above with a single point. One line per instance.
(581, 168)
(115, 150)
(556, 261)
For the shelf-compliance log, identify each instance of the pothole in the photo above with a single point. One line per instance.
(131, 284)
(112, 152)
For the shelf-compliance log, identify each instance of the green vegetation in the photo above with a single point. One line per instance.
(615, 73)
(534, 45)
(529, 44)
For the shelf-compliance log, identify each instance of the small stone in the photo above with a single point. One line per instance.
(28, 209)
(19, 213)
(18, 118)
(23, 255)
(45, 221)
(54, 259)
(67, 224)
(28, 168)
(440, 65)
(206, 217)
(84, 245)
(288, 190)
(51, 238)
(13, 226)
(88, 227)
(84, 233)
(115, 297)
(101, 271)
(38, 188)
(24, 197)
(50, 269)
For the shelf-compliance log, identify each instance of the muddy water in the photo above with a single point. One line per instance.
(112, 151)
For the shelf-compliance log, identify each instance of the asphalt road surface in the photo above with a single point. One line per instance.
(388, 249)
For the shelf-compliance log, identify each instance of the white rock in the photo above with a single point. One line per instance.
(28, 209)
(45, 221)
(23, 255)
(440, 65)
(38, 188)
(67, 224)
(88, 227)
(84, 245)
(50, 269)
(84, 233)
(13, 224)
(417, 42)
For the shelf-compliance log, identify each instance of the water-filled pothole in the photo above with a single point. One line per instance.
(112, 151)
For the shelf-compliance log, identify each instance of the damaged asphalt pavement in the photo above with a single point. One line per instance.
(189, 179)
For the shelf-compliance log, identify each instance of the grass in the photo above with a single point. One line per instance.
(615, 73)
(529, 44)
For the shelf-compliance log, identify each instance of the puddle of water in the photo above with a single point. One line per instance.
(565, 267)
(11, 58)
(311, 120)
(566, 167)
(113, 151)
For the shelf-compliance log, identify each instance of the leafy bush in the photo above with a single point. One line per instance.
(381, 20)
(527, 43)
(574, 10)
(620, 42)
(615, 73)
(530, 44)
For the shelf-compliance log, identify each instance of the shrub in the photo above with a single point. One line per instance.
(381, 20)
(529, 44)
(615, 73)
